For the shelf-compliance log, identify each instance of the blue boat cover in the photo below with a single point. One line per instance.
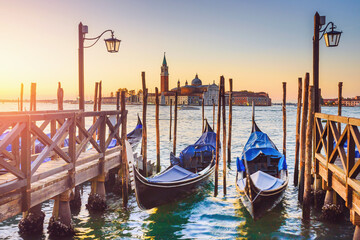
(206, 143)
(262, 181)
(258, 143)
(173, 174)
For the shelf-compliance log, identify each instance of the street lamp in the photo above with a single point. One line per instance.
(332, 39)
(112, 46)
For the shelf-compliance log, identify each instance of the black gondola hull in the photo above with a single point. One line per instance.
(258, 204)
(150, 195)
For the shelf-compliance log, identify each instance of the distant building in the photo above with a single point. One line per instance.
(245, 98)
(348, 102)
(192, 94)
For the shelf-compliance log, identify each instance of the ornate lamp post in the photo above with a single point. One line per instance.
(332, 39)
(112, 46)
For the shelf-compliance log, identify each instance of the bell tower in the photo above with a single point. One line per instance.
(164, 76)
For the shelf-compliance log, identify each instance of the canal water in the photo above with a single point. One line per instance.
(200, 216)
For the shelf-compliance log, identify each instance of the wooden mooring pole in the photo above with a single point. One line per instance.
(125, 166)
(224, 132)
(144, 131)
(230, 120)
(60, 97)
(22, 97)
(303, 137)
(340, 85)
(284, 118)
(308, 158)
(170, 119)
(218, 141)
(175, 122)
(157, 130)
(100, 96)
(297, 136)
(33, 97)
(95, 105)
(213, 102)
(202, 115)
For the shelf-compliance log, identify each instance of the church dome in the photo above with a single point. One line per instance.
(196, 81)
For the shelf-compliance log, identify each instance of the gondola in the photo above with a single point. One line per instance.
(262, 175)
(186, 173)
(134, 137)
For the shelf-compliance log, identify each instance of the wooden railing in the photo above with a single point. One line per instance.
(68, 141)
(334, 155)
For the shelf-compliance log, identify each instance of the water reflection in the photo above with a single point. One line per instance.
(168, 221)
(261, 228)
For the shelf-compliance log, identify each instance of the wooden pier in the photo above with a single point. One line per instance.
(335, 162)
(28, 181)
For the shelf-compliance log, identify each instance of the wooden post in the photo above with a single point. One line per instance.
(22, 97)
(175, 122)
(117, 100)
(284, 118)
(95, 105)
(33, 97)
(309, 135)
(170, 119)
(25, 158)
(100, 96)
(124, 162)
(202, 115)
(218, 141)
(213, 113)
(340, 85)
(316, 61)
(117, 108)
(157, 130)
(96, 98)
(144, 132)
(224, 132)
(297, 138)
(60, 97)
(303, 137)
(230, 120)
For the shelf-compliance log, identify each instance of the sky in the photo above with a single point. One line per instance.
(259, 44)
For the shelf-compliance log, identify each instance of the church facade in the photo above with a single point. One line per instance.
(188, 94)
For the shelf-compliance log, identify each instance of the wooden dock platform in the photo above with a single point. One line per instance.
(335, 159)
(29, 180)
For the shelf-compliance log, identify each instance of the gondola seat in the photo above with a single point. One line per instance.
(175, 173)
(262, 181)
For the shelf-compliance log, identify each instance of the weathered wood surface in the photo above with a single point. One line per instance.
(26, 185)
(336, 162)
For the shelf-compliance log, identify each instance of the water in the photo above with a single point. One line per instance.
(200, 216)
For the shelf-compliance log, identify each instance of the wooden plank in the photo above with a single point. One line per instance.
(89, 137)
(354, 121)
(42, 127)
(45, 152)
(340, 119)
(44, 139)
(337, 171)
(39, 176)
(87, 134)
(321, 115)
(12, 169)
(11, 136)
(12, 185)
(10, 209)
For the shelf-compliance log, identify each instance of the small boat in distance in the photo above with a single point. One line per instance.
(262, 175)
(187, 107)
(185, 174)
